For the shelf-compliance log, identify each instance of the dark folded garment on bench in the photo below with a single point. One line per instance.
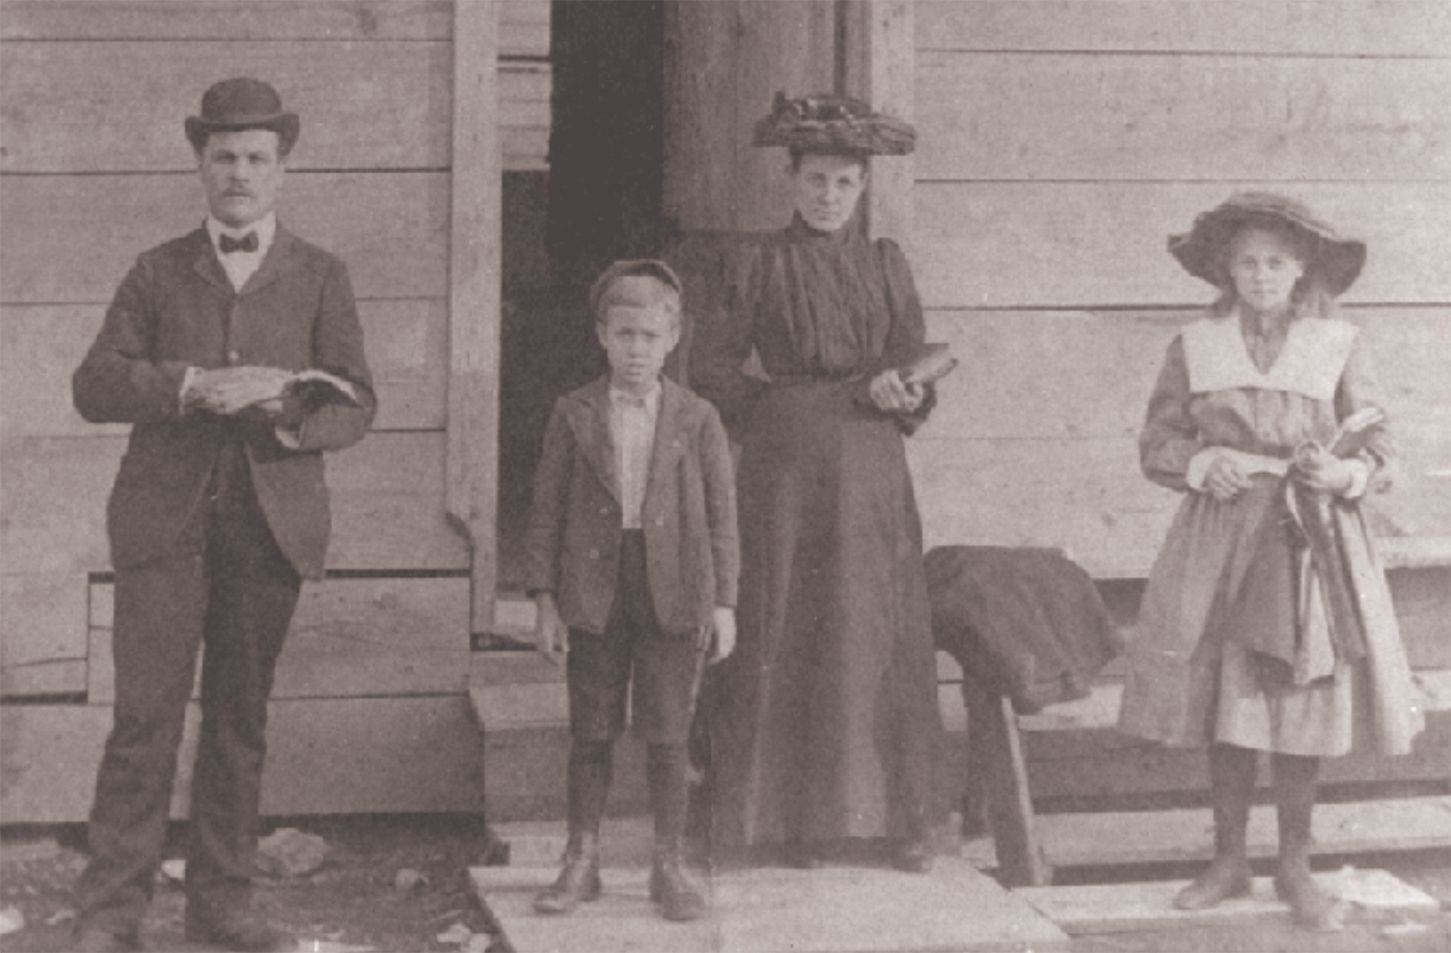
(1025, 622)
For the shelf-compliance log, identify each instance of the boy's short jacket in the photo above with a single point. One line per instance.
(692, 550)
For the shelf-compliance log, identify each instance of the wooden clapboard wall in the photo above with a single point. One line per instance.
(1061, 141)
(95, 169)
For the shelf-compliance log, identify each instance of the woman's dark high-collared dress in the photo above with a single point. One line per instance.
(823, 722)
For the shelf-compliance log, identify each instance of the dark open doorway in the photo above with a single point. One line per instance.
(599, 201)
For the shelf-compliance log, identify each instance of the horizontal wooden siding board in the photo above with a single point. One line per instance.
(1166, 118)
(1420, 28)
(387, 503)
(1091, 244)
(363, 105)
(390, 228)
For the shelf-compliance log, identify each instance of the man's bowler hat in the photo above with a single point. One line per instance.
(242, 103)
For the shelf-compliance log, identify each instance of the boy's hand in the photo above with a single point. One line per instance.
(892, 395)
(551, 635)
(723, 623)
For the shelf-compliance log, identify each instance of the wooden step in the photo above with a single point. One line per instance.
(1141, 837)
(1121, 908)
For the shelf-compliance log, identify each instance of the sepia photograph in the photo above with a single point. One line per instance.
(725, 476)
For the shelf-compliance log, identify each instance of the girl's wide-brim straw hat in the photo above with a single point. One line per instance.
(835, 125)
(1202, 249)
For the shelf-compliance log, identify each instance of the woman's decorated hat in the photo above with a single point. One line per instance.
(836, 125)
(1201, 251)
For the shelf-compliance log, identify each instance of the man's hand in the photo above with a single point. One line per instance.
(230, 390)
(892, 396)
(551, 635)
(723, 626)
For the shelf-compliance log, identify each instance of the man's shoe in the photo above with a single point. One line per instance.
(238, 932)
(579, 879)
(670, 886)
(93, 940)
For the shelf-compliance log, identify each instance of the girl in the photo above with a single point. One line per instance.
(1266, 624)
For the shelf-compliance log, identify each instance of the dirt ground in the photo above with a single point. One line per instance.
(355, 902)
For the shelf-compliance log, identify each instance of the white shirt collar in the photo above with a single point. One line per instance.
(265, 227)
(650, 399)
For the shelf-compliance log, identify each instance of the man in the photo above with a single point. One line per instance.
(218, 511)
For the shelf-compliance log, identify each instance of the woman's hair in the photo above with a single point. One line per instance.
(862, 161)
(1311, 297)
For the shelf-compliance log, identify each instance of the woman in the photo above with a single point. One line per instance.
(1266, 624)
(823, 724)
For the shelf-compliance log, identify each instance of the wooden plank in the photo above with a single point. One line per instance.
(1119, 908)
(41, 344)
(523, 24)
(56, 677)
(349, 638)
(374, 105)
(1113, 359)
(1419, 28)
(1085, 497)
(325, 756)
(1175, 836)
(1087, 244)
(475, 238)
(1138, 117)
(726, 62)
(390, 229)
(387, 503)
(42, 614)
(227, 20)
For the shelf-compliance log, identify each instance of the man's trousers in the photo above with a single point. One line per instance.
(228, 587)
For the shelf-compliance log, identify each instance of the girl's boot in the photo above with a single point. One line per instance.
(1311, 907)
(1232, 781)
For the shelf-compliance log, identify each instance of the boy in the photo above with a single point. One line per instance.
(633, 559)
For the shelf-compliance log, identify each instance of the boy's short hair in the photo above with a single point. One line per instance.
(638, 283)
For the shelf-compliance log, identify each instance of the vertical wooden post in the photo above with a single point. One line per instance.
(878, 65)
(727, 59)
(474, 296)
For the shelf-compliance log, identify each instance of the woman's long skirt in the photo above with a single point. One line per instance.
(823, 724)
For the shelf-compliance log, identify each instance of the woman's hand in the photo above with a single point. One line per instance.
(891, 395)
(1224, 479)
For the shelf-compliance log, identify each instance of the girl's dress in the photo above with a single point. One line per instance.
(822, 724)
(1193, 677)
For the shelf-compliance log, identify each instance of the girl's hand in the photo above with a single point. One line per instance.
(1224, 479)
(891, 395)
(1324, 471)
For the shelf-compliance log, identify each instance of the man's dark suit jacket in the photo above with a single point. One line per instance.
(176, 309)
(692, 550)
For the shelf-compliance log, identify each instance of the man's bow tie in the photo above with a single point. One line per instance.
(247, 242)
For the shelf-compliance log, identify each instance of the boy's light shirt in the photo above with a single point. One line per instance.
(632, 425)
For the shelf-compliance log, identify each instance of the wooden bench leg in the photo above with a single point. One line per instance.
(995, 755)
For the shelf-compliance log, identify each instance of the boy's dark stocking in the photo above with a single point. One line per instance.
(591, 764)
(678, 895)
(1312, 908)
(1232, 782)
